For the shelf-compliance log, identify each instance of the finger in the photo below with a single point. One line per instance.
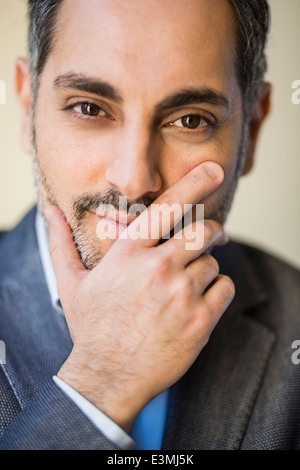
(193, 240)
(66, 262)
(218, 297)
(169, 208)
(202, 272)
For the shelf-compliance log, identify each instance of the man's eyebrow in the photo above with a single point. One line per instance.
(89, 85)
(103, 89)
(194, 96)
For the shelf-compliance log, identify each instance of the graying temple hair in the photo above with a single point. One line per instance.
(252, 22)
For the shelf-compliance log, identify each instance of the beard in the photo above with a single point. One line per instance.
(90, 252)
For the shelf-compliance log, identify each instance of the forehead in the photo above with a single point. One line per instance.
(148, 45)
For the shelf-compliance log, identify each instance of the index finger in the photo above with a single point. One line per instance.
(169, 208)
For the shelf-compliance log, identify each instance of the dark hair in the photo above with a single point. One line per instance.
(252, 22)
(42, 16)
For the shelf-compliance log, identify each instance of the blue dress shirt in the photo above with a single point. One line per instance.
(147, 430)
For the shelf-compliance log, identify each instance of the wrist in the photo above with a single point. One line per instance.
(111, 398)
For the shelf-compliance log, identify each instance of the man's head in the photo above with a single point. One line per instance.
(128, 97)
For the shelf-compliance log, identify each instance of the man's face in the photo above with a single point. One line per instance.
(134, 95)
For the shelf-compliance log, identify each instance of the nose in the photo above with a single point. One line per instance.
(132, 166)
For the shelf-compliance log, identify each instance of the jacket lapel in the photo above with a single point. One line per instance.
(36, 336)
(210, 406)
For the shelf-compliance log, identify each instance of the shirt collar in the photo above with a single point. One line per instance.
(43, 246)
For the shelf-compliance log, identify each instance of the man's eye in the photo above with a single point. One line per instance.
(191, 121)
(89, 109)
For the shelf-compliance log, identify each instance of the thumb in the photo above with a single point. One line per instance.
(66, 261)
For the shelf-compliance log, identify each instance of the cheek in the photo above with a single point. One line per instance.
(223, 149)
(70, 165)
(176, 164)
(72, 161)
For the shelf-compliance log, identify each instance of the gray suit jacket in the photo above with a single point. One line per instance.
(242, 392)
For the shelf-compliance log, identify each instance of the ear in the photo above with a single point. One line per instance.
(23, 91)
(260, 111)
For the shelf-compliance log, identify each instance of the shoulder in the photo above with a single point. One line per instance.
(276, 284)
(261, 266)
(18, 247)
(277, 274)
(2, 234)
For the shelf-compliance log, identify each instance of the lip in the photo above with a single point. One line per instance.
(112, 224)
(115, 216)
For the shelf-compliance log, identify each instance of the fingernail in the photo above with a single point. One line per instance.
(215, 170)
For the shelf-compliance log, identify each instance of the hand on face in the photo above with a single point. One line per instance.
(139, 319)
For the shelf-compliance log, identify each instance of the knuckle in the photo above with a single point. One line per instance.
(160, 265)
(183, 287)
(204, 320)
(229, 287)
(199, 228)
(211, 230)
(213, 264)
(208, 232)
(186, 287)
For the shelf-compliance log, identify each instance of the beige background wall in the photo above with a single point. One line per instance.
(266, 208)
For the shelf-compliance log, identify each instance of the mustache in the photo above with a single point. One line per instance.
(89, 202)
